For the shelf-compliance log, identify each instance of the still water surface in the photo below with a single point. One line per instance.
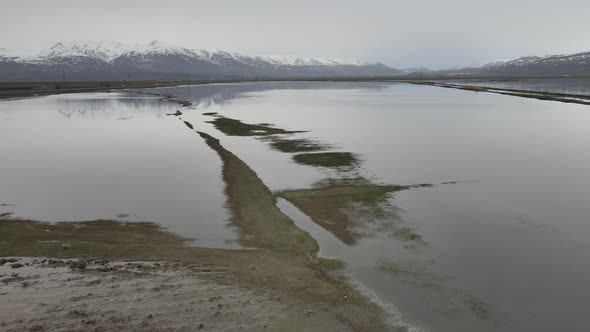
(111, 156)
(507, 247)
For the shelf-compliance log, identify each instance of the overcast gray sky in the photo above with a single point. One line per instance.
(399, 33)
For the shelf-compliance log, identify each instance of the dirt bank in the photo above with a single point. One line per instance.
(287, 277)
(40, 294)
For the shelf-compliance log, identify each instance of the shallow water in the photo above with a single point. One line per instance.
(573, 86)
(110, 156)
(506, 248)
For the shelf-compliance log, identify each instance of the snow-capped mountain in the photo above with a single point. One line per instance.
(291, 60)
(157, 60)
(415, 70)
(577, 64)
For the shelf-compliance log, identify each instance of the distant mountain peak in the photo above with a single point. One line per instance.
(293, 60)
(108, 59)
(577, 64)
(108, 50)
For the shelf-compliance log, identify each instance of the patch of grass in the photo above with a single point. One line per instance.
(210, 113)
(422, 185)
(407, 234)
(328, 159)
(233, 127)
(104, 238)
(6, 215)
(474, 88)
(253, 208)
(327, 206)
(478, 308)
(296, 145)
(341, 181)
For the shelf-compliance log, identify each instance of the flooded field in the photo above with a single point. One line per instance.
(109, 156)
(464, 211)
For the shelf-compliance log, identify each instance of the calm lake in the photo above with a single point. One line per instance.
(506, 226)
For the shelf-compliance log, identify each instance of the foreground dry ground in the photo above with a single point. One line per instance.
(74, 295)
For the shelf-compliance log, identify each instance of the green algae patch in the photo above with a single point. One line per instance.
(328, 159)
(233, 127)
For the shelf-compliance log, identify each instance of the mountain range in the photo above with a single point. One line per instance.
(528, 66)
(111, 60)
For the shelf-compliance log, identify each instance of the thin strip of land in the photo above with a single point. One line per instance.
(541, 95)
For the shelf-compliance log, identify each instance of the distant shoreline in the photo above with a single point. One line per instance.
(30, 89)
(541, 95)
